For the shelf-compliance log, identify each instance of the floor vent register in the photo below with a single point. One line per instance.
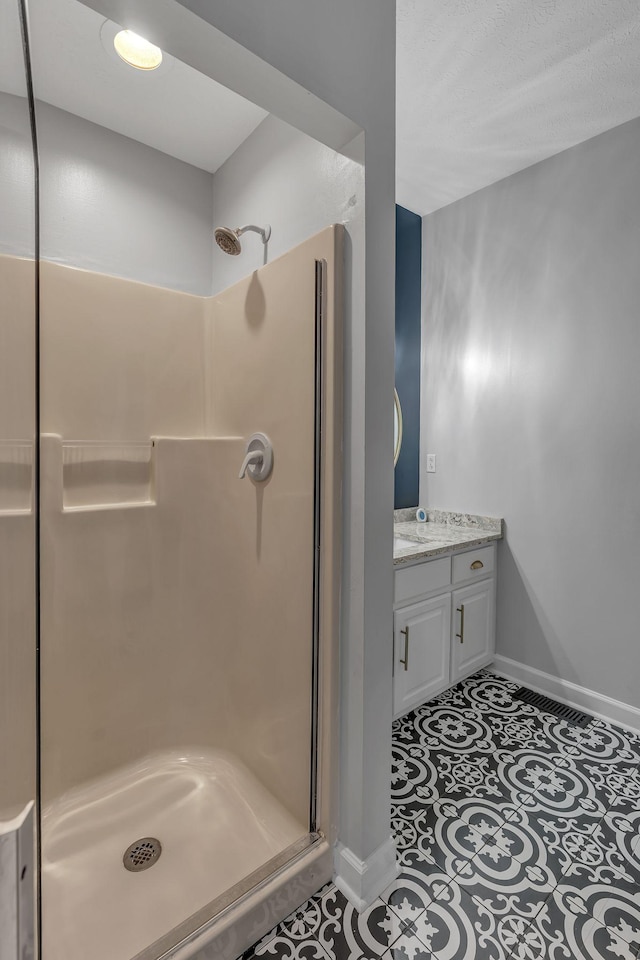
(561, 710)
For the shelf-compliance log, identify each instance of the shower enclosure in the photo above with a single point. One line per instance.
(168, 628)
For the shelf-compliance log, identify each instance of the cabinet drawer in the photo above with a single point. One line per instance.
(475, 564)
(421, 579)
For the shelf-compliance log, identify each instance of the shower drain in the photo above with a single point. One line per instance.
(142, 854)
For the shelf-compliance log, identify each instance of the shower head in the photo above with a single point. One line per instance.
(229, 240)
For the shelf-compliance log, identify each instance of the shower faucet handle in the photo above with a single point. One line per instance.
(258, 461)
(253, 456)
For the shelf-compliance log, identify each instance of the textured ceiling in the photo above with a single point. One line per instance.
(488, 87)
(175, 109)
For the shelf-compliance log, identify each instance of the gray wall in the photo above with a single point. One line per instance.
(119, 207)
(283, 177)
(531, 346)
(17, 195)
(343, 51)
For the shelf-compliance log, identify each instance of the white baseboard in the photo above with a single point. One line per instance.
(605, 708)
(362, 881)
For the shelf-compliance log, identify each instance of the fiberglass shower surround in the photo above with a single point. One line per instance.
(182, 606)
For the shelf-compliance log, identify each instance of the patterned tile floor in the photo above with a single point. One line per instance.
(518, 839)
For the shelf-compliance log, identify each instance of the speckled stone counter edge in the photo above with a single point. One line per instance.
(453, 519)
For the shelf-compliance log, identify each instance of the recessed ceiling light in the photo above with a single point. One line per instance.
(116, 43)
(136, 51)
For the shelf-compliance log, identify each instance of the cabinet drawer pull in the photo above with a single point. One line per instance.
(405, 632)
(477, 565)
(460, 635)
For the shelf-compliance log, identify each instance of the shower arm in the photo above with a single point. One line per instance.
(265, 232)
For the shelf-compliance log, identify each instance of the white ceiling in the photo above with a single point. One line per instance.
(485, 88)
(488, 87)
(12, 78)
(174, 109)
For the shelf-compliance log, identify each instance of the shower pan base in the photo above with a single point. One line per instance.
(215, 821)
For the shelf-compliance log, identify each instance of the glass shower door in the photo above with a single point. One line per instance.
(177, 599)
(17, 493)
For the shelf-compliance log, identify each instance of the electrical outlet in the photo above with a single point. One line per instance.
(431, 463)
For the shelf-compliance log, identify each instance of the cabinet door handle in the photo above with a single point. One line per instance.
(405, 633)
(477, 565)
(460, 635)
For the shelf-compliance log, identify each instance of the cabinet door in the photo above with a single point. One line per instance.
(422, 638)
(473, 634)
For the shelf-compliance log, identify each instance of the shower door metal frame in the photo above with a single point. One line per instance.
(320, 302)
(29, 906)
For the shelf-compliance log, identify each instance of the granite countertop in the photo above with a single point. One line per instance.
(444, 532)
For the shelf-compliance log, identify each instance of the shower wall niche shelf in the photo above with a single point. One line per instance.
(100, 475)
(16, 478)
(116, 505)
(90, 475)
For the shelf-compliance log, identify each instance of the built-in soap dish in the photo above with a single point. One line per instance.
(102, 475)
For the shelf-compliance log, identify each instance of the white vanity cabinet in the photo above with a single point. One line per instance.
(472, 641)
(444, 623)
(421, 661)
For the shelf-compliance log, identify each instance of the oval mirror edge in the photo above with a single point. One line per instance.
(397, 424)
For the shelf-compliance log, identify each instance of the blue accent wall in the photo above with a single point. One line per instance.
(408, 336)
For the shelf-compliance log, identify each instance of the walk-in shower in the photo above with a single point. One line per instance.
(177, 598)
(169, 481)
